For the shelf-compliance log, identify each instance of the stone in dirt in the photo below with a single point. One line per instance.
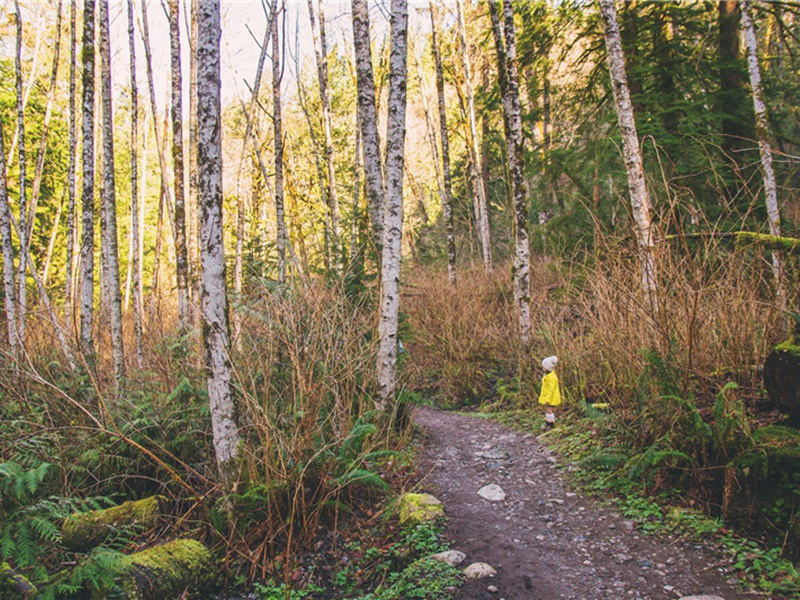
(451, 557)
(479, 570)
(492, 493)
(419, 508)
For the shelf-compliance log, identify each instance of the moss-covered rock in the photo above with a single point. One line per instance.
(419, 508)
(178, 569)
(84, 531)
(13, 585)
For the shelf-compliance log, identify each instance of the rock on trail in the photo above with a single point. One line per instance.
(509, 507)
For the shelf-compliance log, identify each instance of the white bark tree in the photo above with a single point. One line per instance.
(640, 198)
(8, 254)
(134, 257)
(764, 147)
(214, 298)
(393, 205)
(283, 236)
(179, 219)
(87, 192)
(108, 224)
(22, 287)
(481, 205)
(368, 120)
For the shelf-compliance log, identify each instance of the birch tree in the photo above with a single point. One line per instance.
(506, 45)
(73, 144)
(447, 186)
(134, 256)
(283, 237)
(764, 146)
(368, 120)
(22, 290)
(87, 192)
(481, 208)
(108, 214)
(9, 293)
(640, 199)
(393, 207)
(176, 95)
(321, 55)
(214, 296)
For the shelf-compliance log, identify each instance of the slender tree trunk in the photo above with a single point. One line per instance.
(321, 54)
(22, 289)
(108, 227)
(52, 242)
(87, 193)
(134, 258)
(191, 207)
(481, 208)
(368, 120)
(393, 209)
(8, 254)
(215, 299)
(283, 238)
(181, 266)
(447, 195)
(764, 147)
(732, 96)
(72, 230)
(640, 199)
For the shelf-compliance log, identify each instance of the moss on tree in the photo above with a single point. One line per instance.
(83, 531)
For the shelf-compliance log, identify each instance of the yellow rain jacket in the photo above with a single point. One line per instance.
(550, 395)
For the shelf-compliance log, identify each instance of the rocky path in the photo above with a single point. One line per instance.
(545, 541)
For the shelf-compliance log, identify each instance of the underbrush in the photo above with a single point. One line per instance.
(316, 456)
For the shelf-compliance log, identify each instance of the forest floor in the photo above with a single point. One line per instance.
(546, 540)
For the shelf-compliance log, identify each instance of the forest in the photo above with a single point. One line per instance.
(243, 242)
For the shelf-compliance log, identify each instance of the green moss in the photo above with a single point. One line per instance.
(14, 585)
(789, 347)
(164, 571)
(419, 508)
(83, 531)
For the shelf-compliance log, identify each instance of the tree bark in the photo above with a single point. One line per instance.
(134, 257)
(215, 298)
(108, 227)
(732, 96)
(640, 199)
(321, 54)
(8, 254)
(283, 237)
(87, 192)
(368, 120)
(22, 289)
(191, 206)
(393, 208)
(764, 147)
(447, 186)
(481, 208)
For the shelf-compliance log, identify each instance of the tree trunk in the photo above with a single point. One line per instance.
(509, 78)
(393, 208)
(133, 258)
(447, 195)
(732, 97)
(72, 230)
(8, 254)
(87, 193)
(368, 120)
(764, 147)
(108, 226)
(481, 208)
(321, 54)
(215, 298)
(22, 289)
(640, 199)
(283, 237)
(181, 266)
(191, 206)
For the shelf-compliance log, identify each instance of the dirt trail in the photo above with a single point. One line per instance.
(545, 541)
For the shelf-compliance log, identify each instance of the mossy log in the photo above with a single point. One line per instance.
(177, 569)
(14, 585)
(782, 377)
(83, 531)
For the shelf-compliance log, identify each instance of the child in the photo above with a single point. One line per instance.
(550, 396)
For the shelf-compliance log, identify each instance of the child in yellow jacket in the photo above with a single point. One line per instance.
(550, 397)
